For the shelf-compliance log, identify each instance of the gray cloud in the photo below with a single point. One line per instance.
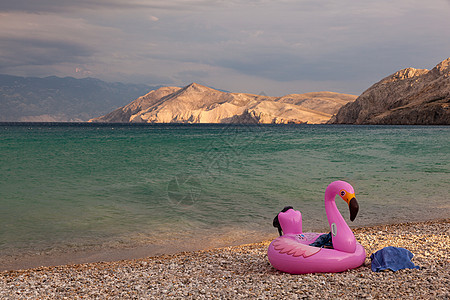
(280, 43)
(185, 76)
(54, 6)
(80, 5)
(21, 52)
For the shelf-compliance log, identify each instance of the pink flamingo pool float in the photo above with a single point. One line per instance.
(291, 252)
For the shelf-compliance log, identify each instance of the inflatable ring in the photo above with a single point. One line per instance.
(292, 253)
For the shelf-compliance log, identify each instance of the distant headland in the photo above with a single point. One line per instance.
(196, 103)
(407, 97)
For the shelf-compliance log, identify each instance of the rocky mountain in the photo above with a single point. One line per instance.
(200, 104)
(56, 99)
(409, 96)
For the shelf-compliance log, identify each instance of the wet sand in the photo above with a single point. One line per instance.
(244, 272)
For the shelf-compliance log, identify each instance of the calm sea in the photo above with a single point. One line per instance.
(69, 188)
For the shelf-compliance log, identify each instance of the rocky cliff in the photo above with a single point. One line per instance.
(409, 96)
(199, 104)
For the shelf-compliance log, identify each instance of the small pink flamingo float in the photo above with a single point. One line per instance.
(291, 252)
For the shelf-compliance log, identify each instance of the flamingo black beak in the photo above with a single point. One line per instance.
(354, 207)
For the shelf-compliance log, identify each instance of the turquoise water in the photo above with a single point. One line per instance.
(90, 186)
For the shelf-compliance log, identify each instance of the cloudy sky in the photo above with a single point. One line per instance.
(275, 46)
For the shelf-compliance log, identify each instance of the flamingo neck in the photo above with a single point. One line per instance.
(342, 236)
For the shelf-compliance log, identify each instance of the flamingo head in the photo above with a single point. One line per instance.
(276, 221)
(347, 194)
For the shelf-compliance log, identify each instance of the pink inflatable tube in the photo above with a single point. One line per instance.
(291, 252)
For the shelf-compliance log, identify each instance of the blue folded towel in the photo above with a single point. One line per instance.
(393, 258)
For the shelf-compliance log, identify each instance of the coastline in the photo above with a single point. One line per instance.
(244, 272)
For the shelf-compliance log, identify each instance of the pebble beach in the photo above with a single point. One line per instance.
(241, 272)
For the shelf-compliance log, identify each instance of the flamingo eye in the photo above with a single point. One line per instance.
(342, 193)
